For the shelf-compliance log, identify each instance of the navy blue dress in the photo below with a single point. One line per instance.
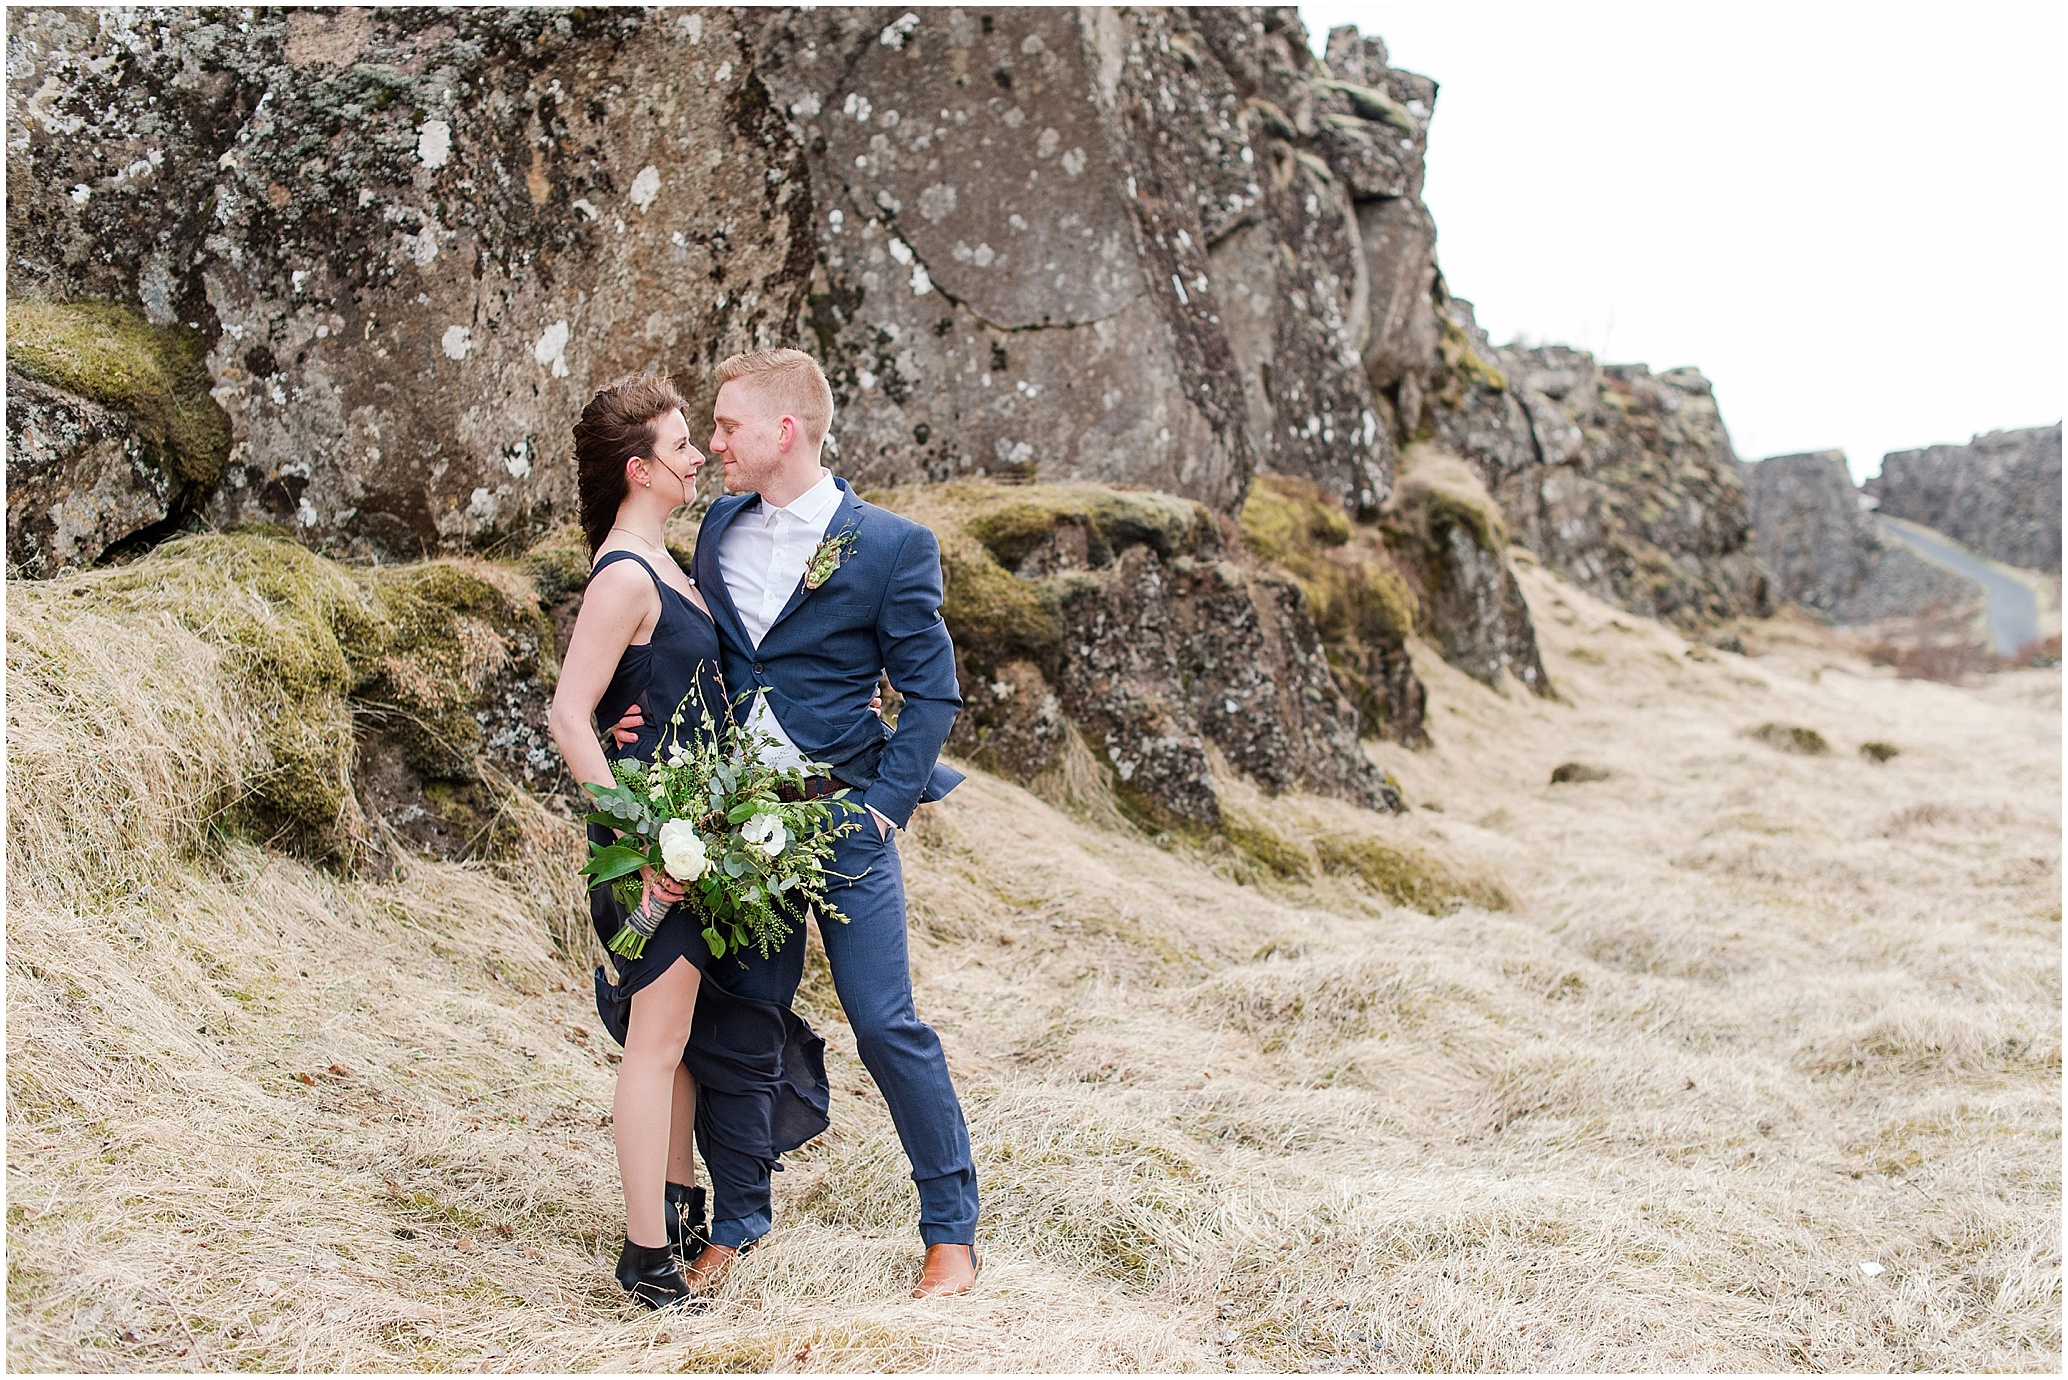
(759, 1069)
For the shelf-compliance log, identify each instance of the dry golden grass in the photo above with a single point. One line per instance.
(1749, 1020)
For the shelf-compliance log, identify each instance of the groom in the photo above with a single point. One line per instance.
(816, 594)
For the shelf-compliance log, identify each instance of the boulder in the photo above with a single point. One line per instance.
(112, 435)
(1999, 495)
(411, 240)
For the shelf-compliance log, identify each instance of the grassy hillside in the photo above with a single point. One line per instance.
(1702, 1038)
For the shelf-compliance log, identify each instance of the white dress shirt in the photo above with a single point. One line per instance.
(762, 558)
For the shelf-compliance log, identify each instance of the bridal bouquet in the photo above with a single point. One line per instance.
(707, 811)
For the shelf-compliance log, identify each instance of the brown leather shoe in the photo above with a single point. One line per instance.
(949, 1270)
(708, 1270)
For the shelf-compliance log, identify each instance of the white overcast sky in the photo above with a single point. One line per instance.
(1848, 216)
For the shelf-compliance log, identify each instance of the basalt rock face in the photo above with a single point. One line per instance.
(1622, 480)
(413, 239)
(1113, 245)
(1824, 552)
(2000, 494)
(1156, 248)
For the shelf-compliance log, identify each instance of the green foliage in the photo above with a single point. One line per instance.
(113, 355)
(712, 812)
(1804, 742)
(1879, 752)
(1576, 773)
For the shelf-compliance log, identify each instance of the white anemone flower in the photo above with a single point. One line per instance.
(683, 852)
(767, 833)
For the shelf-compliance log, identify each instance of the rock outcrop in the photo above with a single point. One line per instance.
(113, 436)
(1620, 479)
(1154, 248)
(1999, 495)
(1123, 618)
(1824, 552)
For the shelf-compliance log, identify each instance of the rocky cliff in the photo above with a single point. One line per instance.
(1999, 495)
(1824, 552)
(352, 273)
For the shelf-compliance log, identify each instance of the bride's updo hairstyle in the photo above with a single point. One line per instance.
(617, 424)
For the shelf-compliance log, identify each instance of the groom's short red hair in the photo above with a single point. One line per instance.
(789, 380)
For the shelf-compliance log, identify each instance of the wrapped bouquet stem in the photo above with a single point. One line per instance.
(709, 812)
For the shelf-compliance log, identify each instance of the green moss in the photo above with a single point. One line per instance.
(1406, 876)
(1353, 592)
(558, 563)
(1878, 752)
(1011, 522)
(1448, 507)
(113, 355)
(1456, 349)
(991, 613)
(446, 630)
(1804, 742)
(1260, 842)
(986, 530)
(313, 644)
(1284, 517)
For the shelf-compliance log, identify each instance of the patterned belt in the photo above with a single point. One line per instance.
(811, 788)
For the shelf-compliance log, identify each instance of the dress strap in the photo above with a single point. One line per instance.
(612, 556)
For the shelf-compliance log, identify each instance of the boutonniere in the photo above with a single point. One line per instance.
(832, 553)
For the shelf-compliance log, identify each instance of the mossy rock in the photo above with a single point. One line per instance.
(113, 355)
(992, 614)
(1449, 506)
(1353, 593)
(1804, 742)
(1406, 876)
(451, 630)
(1011, 522)
(320, 648)
(558, 563)
(1456, 348)
(987, 531)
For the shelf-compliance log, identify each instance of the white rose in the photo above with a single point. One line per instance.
(767, 833)
(682, 851)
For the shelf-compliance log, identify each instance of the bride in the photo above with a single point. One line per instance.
(695, 1054)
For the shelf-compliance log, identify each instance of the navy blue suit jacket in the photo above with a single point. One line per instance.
(880, 611)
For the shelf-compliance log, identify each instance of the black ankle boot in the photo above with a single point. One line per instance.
(648, 1273)
(687, 1231)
